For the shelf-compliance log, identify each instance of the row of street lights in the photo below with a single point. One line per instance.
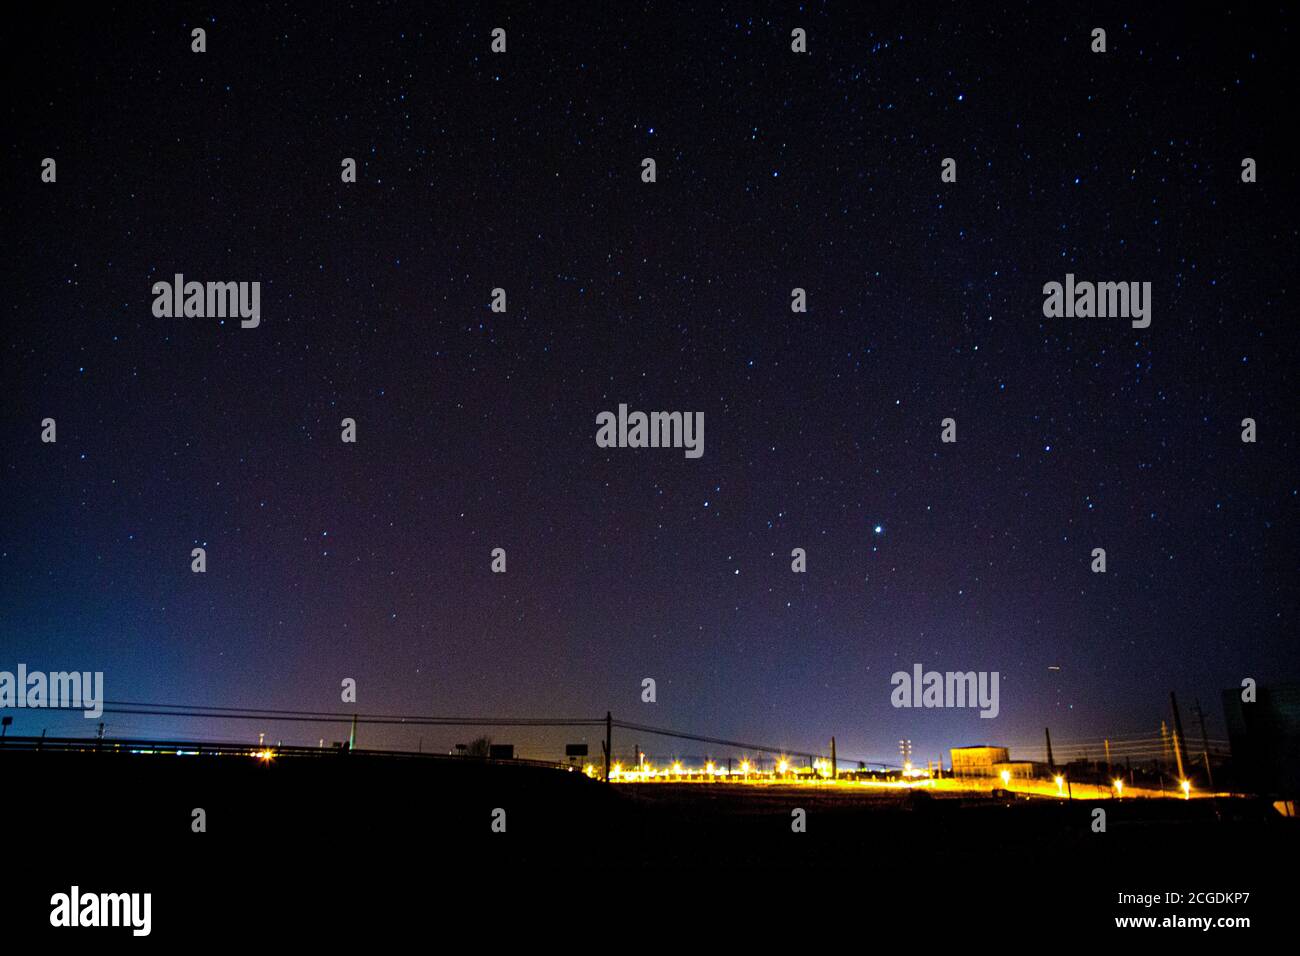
(1117, 784)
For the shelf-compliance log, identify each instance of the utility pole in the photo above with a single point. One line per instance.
(1179, 739)
(1205, 745)
(609, 741)
(835, 765)
(352, 738)
(1108, 772)
(1051, 765)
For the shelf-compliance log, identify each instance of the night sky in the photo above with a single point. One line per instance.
(476, 429)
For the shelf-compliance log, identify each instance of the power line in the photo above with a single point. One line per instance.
(699, 738)
(1131, 746)
(226, 713)
(267, 713)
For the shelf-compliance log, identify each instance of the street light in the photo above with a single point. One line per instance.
(1006, 777)
(1119, 786)
(1060, 782)
(1187, 789)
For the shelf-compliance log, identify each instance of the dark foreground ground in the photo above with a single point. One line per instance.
(349, 845)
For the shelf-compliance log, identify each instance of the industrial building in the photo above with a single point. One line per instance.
(978, 761)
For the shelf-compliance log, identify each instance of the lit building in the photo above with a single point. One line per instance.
(1022, 770)
(980, 761)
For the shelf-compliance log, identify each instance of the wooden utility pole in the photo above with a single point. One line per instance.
(1205, 745)
(609, 741)
(1050, 764)
(1179, 739)
(835, 766)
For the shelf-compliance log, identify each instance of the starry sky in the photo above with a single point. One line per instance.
(476, 429)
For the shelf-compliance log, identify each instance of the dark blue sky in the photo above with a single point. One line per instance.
(476, 430)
